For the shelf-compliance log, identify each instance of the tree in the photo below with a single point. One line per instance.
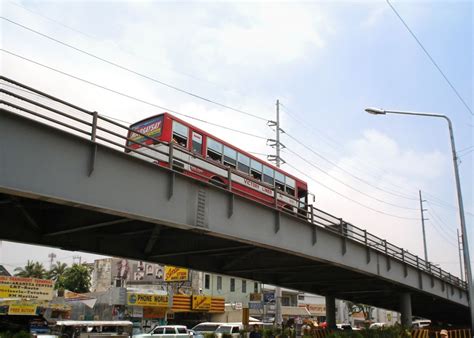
(31, 270)
(357, 308)
(76, 278)
(56, 273)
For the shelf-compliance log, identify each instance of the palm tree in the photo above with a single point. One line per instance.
(57, 270)
(31, 270)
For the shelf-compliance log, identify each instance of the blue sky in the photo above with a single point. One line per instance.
(326, 61)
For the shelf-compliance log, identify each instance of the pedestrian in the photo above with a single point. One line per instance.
(444, 334)
(255, 333)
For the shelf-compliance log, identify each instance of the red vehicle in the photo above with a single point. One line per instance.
(205, 157)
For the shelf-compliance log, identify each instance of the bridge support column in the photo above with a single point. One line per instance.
(405, 309)
(331, 311)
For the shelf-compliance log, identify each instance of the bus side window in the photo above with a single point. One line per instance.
(256, 170)
(214, 150)
(280, 181)
(290, 186)
(268, 175)
(243, 163)
(230, 157)
(180, 134)
(197, 143)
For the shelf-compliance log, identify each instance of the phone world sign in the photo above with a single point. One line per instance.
(140, 299)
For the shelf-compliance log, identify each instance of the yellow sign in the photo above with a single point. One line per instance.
(22, 310)
(26, 288)
(141, 299)
(201, 302)
(175, 274)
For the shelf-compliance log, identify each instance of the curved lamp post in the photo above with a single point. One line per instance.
(467, 261)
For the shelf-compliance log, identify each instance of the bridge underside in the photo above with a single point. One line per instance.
(72, 227)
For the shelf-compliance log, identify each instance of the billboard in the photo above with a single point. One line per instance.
(201, 303)
(175, 274)
(139, 271)
(26, 288)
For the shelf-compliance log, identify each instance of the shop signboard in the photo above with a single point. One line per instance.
(269, 297)
(201, 303)
(256, 305)
(149, 300)
(175, 274)
(153, 312)
(22, 309)
(26, 288)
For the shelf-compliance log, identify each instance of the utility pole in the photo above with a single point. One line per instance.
(460, 254)
(51, 257)
(275, 143)
(78, 258)
(423, 225)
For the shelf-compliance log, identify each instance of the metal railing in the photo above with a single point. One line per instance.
(100, 129)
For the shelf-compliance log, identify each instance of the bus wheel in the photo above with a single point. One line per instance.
(217, 181)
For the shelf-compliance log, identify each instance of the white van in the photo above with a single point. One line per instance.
(207, 327)
(229, 328)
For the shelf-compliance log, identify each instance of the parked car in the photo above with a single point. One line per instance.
(166, 331)
(344, 327)
(195, 334)
(207, 327)
(229, 328)
(418, 324)
(377, 325)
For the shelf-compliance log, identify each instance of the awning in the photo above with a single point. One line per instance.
(295, 311)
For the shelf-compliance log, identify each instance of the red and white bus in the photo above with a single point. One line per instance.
(198, 154)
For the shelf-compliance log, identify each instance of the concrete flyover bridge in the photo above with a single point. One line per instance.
(66, 182)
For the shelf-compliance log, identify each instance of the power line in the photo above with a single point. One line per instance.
(349, 173)
(116, 45)
(397, 194)
(133, 71)
(440, 203)
(439, 229)
(466, 153)
(348, 185)
(348, 198)
(430, 57)
(129, 96)
(311, 150)
(464, 149)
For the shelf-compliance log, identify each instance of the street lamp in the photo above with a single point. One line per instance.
(467, 261)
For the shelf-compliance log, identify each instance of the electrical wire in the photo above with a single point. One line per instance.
(464, 149)
(397, 194)
(317, 154)
(466, 153)
(440, 203)
(347, 185)
(114, 64)
(129, 96)
(438, 218)
(438, 228)
(430, 57)
(116, 45)
(348, 198)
